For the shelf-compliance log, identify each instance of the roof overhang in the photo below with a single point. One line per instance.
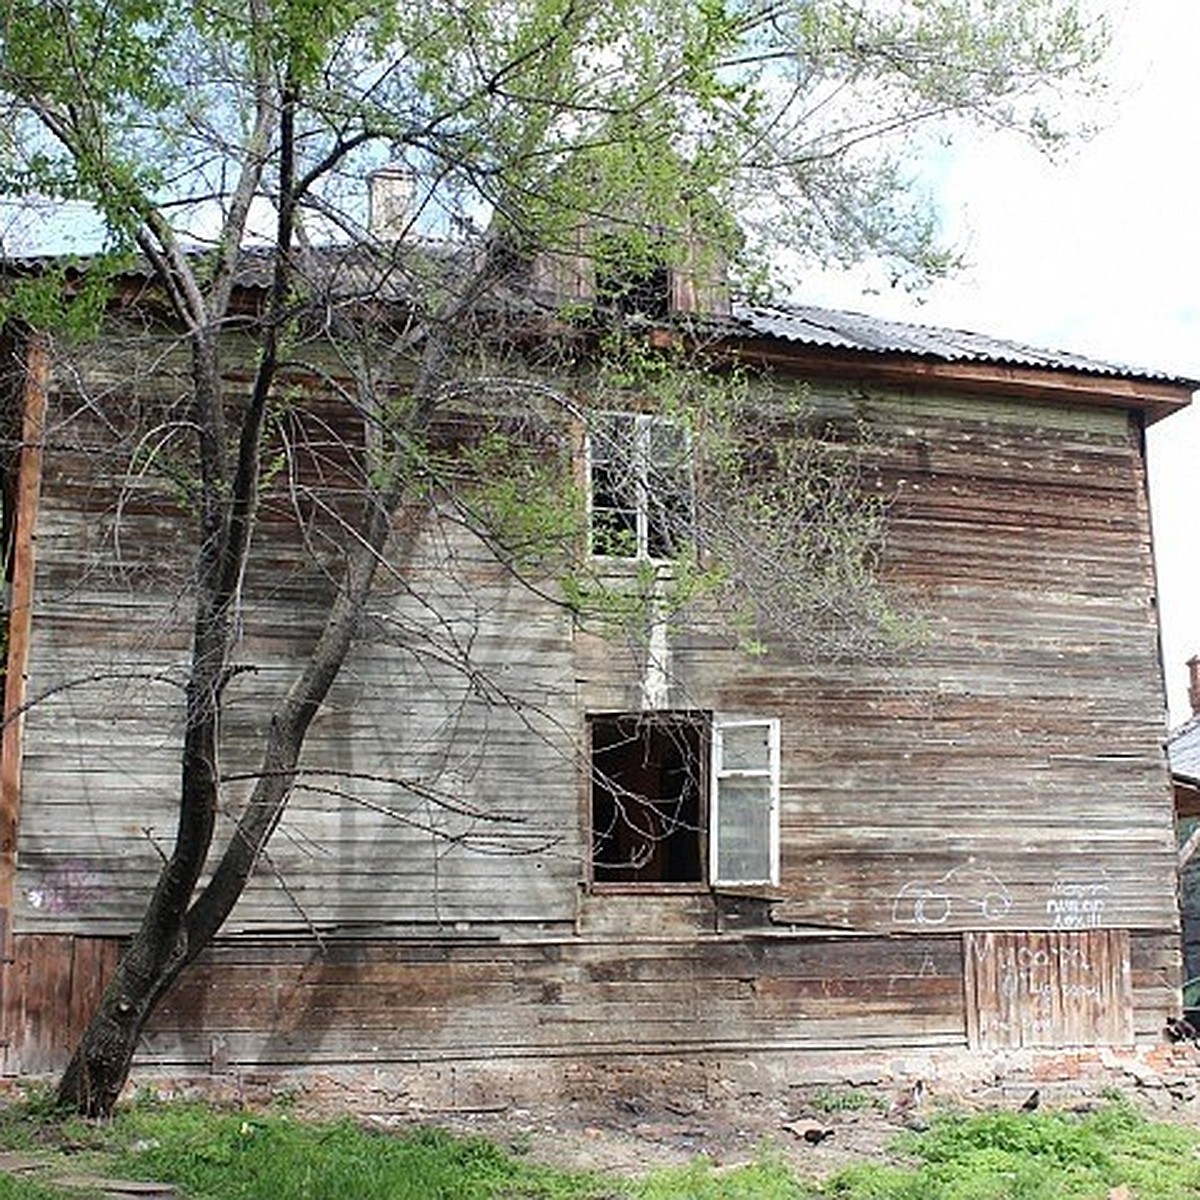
(1153, 398)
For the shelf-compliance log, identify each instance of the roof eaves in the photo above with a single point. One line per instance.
(838, 330)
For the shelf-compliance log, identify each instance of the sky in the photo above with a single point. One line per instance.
(1098, 252)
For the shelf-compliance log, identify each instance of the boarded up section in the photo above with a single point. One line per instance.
(50, 989)
(1048, 989)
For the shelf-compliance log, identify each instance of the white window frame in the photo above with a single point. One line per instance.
(643, 424)
(719, 772)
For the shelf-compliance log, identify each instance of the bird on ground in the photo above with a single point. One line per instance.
(906, 1104)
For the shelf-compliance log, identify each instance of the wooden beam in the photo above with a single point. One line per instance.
(20, 619)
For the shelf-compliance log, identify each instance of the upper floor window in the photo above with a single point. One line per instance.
(639, 486)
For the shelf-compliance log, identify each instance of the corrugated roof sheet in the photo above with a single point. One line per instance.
(1183, 750)
(836, 329)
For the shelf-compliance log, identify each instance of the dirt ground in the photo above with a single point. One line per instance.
(817, 1128)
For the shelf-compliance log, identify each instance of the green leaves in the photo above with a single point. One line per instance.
(538, 114)
(63, 297)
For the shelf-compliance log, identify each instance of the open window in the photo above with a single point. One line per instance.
(745, 802)
(639, 486)
(684, 798)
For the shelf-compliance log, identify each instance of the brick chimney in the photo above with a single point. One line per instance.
(1193, 665)
(391, 195)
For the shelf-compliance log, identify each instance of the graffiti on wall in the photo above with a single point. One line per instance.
(69, 888)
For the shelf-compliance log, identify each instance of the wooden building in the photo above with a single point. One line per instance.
(964, 844)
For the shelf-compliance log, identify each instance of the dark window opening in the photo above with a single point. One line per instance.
(648, 790)
(616, 490)
(644, 292)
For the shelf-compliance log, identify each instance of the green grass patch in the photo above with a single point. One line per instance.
(767, 1179)
(240, 1156)
(31, 1189)
(213, 1154)
(1042, 1156)
(834, 1099)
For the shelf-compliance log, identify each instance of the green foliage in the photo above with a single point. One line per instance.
(242, 1156)
(784, 541)
(16, 1188)
(526, 502)
(1034, 1156)
(841, 1099)
(236, 1155)
(64, 297)
(662, 117)
(767, 1179)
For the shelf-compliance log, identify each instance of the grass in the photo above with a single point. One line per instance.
(31, 1189)
(1044, 1156)
(834, 1100)
(237, 1156)
(212, 1154)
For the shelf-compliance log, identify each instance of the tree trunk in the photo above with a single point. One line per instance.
(179, 924)
(100, 1065)
(170, 939)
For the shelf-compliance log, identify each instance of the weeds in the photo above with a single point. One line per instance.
(30, 1189)
(231, 1155)
(1043, 1156)
(767, 1179)
(833, 1100)
(274, 1157)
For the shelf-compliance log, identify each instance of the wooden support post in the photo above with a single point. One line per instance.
(20, 619)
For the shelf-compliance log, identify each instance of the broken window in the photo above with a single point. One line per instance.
(639, 486)
(684, 798)
(635, 293)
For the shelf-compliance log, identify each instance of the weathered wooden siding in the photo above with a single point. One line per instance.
(1005, 773)
(1048, 989)
(261, 1005)
(421, 801)
(379, 1002)
(48, 992)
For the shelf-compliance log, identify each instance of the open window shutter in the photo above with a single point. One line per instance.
(744, 827)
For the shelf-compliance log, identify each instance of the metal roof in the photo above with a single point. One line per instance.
(1183, 751)
(835, 329)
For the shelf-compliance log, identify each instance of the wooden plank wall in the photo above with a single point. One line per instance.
(420, 784)
(278, 1004)
(1157, 977)
(1048, 989)
(1005, 773)
(266, 1005)
(49, 991)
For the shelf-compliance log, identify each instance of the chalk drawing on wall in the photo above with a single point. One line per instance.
(70, 888)
(1078, 901)
(965, 892)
